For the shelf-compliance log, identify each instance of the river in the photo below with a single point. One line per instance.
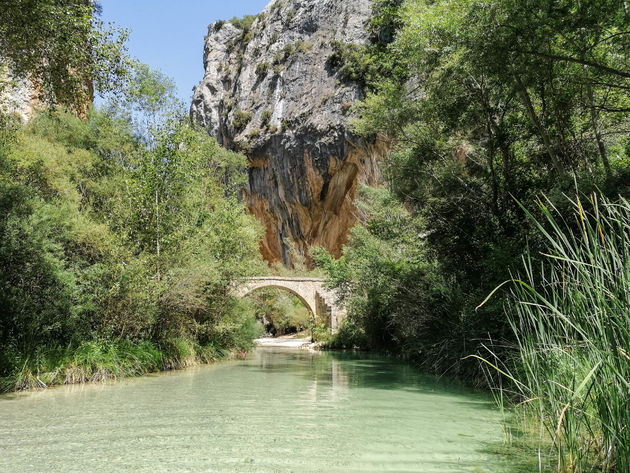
(278, 410)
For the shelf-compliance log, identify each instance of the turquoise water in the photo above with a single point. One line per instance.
(278, 410)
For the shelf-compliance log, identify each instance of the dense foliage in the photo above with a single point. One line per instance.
(280, 312)
(485, 105)
(478, 113)
(63, 48)
(105, 238)
(393, 289)
(120, 231)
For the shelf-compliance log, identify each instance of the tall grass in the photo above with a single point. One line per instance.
(90, 361)
(103, 360)
(570, 313)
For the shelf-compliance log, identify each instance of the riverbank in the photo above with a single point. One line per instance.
(286, 341)
(100, 361)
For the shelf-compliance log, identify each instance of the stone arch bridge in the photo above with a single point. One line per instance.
(320, 301)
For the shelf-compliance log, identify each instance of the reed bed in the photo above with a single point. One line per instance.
(570, 313)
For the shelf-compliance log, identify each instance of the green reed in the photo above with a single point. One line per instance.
(570, 313)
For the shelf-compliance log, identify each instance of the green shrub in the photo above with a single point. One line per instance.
(241, 119)
(290, 50)
(266, 118)
(244, 23)
(322, 334)
(255, 133)
(351, 62)
(261, 69)
(302, 47)
(348, 336)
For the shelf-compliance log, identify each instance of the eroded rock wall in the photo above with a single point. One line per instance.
(18, 97)
(268, 91)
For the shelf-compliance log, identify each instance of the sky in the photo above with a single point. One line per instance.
(168, 34)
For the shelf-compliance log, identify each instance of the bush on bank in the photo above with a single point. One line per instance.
(117, 252)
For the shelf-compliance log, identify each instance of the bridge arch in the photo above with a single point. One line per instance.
(321, 301)
(303, 298)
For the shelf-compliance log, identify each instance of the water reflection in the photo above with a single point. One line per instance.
(276, 411)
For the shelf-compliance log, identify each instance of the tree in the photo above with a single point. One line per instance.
(480, 103)
(63, 48)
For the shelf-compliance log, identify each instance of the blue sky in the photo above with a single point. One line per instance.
(168, 34)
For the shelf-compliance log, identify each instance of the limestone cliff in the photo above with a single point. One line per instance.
(18, 97)
(269, 91)
(21, 98)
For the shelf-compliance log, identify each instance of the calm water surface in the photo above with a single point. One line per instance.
(277, 411)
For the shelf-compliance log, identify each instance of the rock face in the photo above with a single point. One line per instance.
(269, 91)
(17, 95)
(20, 97)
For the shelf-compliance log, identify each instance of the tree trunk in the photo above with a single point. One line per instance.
(157, 233)
(598, 136)
(531, 113)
